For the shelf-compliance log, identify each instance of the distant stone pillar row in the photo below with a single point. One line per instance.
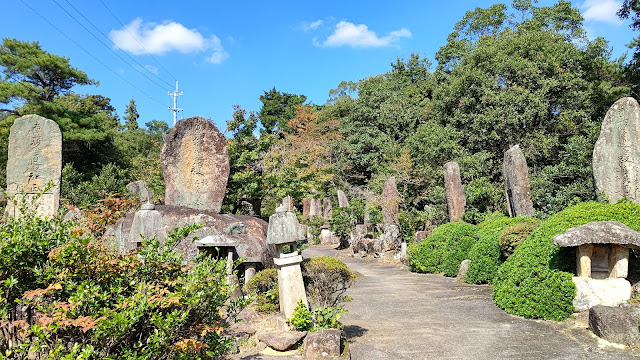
(616, 154)
(516, 183)
(34, 161)
(456, 200)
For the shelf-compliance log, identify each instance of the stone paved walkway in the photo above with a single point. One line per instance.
(396, 314)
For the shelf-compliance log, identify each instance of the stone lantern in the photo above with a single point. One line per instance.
(602, 262)
(220, 247)
(284, 230)
(147, 223)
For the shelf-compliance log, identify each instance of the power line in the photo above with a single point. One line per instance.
(90, 54)
(116, 45)
(107, 46)
(136, 39)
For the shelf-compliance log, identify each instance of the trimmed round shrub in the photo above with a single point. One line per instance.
(326, 279)
(485, 253)
(264, 285)
(534, 281)
(444, 250)
(513, 235)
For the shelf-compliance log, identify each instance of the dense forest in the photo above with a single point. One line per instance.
(519, 74)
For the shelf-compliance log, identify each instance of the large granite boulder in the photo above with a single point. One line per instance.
(390, 201)
(591, 292)
(456, 200)
(516, 183)
(616, 324)
(247, 232)
(616, 155)
(283, 340)
(34, 161)
(323, 344)
(195, 164)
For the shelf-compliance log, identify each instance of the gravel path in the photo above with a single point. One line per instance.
(396, 314)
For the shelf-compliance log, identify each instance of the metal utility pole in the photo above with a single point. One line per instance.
(175, 108)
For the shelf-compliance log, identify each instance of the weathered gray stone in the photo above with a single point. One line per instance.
(599, 232)
(616, 324)
(455, 193)
(390, 237)
(327, 209)
(343, 201)
(361, 236)
(283, 229)
(287, 203)
(390, 201)
(516, 183)
(195, 164)
(315, 208)
(306, 206)
(592, 292)
(139, 188)
(147, 223)
(328, 238)
(281, 341)
(462, 271)
(616, 155)
(290, 283)
(236, 228)
(34, 161)
(73, 214)
(323, 344)
(421, 235)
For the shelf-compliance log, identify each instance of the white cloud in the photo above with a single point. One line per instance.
(151, 69)
(601, 10)
(139, 37)
(308, 26)
(359, 36)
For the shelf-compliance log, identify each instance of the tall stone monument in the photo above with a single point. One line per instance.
(455, 193)
(315, 208)
(327, 209)
(616, 155)
(35, 160)
(285, 230)
(306, 206)
(516, 183)
(390, 200)
(343, 201)
(195, 164)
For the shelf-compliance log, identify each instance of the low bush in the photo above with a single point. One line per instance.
(485, 253)
(318, 319)
(326, 280)
(79, 191)
(513, 235)
(71, 297)
(444, 250)
(534, 282)
(264, 287)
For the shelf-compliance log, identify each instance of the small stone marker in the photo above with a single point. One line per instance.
(140, 188)
(342, 199)
(35, 160)
(147, 223)
(390, 200)
(287, 202)
(284, 230)
(195, 164)
(315, 209)
(616, 155)
(455, 193)
(462, 271)
(327, 209)
(516, 183)
(306, 206)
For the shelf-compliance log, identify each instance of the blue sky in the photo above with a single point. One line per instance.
(229, 52)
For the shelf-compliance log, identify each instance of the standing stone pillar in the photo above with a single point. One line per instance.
(343, 201)
(455, 193)
(195, 165)
(306, 207)
(249, 272)
(390, 201)
(287, 203)
(616, 155)
(35, 161)
(284, 230)
(516, 183)
(327, 210)
(315, 208)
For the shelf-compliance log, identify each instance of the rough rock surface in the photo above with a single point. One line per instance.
(287, 203)
(281, 341)
(147, 223)
(390, 200)
(616, 155)
(139, 188)
(251, 245)
(516, 183)
(306, 206)
(34, 160)
(315, 207)
(592, 292)
(599, 232)
(390, 237)
(327, 209)
(343, 201)
(195, 164)
(283, 228)
(456, 200)
(462, 272)
(328, 238)
(322, 344)
(421, 235)
(616, 324)
(362, 235)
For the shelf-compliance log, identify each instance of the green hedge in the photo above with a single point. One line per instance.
(533, 282)
(485, 253)
(444, 250)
